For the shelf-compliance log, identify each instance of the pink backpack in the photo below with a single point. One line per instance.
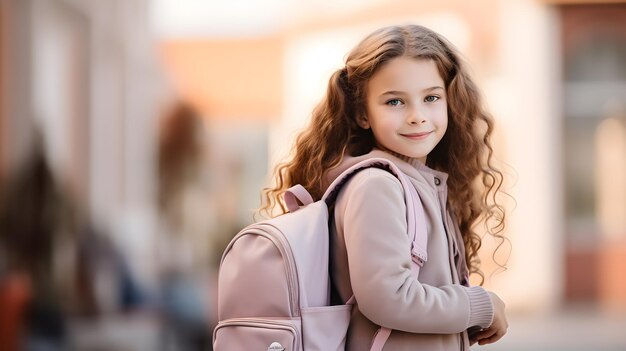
(274, 284)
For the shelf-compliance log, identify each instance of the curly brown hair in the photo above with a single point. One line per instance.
(465, 151)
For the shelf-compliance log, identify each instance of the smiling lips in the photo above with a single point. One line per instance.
(416, 136)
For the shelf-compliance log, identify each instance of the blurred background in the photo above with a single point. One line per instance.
(135, 136)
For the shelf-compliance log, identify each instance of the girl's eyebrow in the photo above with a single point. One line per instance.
(434, 88)
(393, 92)
(397, 92)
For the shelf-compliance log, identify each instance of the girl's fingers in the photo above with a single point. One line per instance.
(490, 340)
(488, 336)
(487, 333)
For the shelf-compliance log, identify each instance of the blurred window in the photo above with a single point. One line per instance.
(594, 105)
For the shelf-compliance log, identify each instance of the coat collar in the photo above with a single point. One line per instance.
(411, 167)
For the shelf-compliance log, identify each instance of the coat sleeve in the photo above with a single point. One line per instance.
(372, 211)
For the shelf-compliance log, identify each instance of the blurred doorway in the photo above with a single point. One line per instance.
(593, 41)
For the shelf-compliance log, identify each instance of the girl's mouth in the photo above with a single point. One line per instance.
(417, 136)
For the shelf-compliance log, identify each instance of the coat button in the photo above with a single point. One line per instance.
(437, 181)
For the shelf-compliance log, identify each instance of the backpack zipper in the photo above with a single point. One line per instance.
(261, 323)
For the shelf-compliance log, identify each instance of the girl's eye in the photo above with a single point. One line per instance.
(394, 102)
(431, 98)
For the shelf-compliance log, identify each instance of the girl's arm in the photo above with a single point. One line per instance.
(373, 214)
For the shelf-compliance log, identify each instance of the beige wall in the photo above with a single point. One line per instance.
(480, 16)
(525, 95)
(232, 79)
(241, 78)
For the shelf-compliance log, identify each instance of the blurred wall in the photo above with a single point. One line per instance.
(524, 96)
(83, 73)
(594, 128)
(2, 83)
(250, 89)
(16, 132)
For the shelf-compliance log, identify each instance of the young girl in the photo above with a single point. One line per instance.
(404, 95)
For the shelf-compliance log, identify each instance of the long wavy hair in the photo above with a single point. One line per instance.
(465, 151)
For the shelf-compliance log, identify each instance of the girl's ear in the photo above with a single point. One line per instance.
(363, 122)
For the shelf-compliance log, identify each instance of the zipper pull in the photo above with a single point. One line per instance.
(418, 258)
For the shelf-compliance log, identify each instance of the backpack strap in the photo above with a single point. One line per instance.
(294, 194)
(416, 223)
(418, 248)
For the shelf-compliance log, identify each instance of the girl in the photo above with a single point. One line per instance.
(405, 95)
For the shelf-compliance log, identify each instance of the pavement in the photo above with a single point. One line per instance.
(566, 330)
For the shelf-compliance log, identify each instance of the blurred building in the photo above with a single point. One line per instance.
(593, 51)
(84, 73)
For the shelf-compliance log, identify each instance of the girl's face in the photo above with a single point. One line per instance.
(406, 107)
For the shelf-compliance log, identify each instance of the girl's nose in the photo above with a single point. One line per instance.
(415, 117)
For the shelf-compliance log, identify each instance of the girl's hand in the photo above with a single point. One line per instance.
(498, 327)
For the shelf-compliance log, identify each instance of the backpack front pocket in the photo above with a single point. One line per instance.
(244, 334)
(325, 328)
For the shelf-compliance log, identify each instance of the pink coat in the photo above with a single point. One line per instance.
(370, 258)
